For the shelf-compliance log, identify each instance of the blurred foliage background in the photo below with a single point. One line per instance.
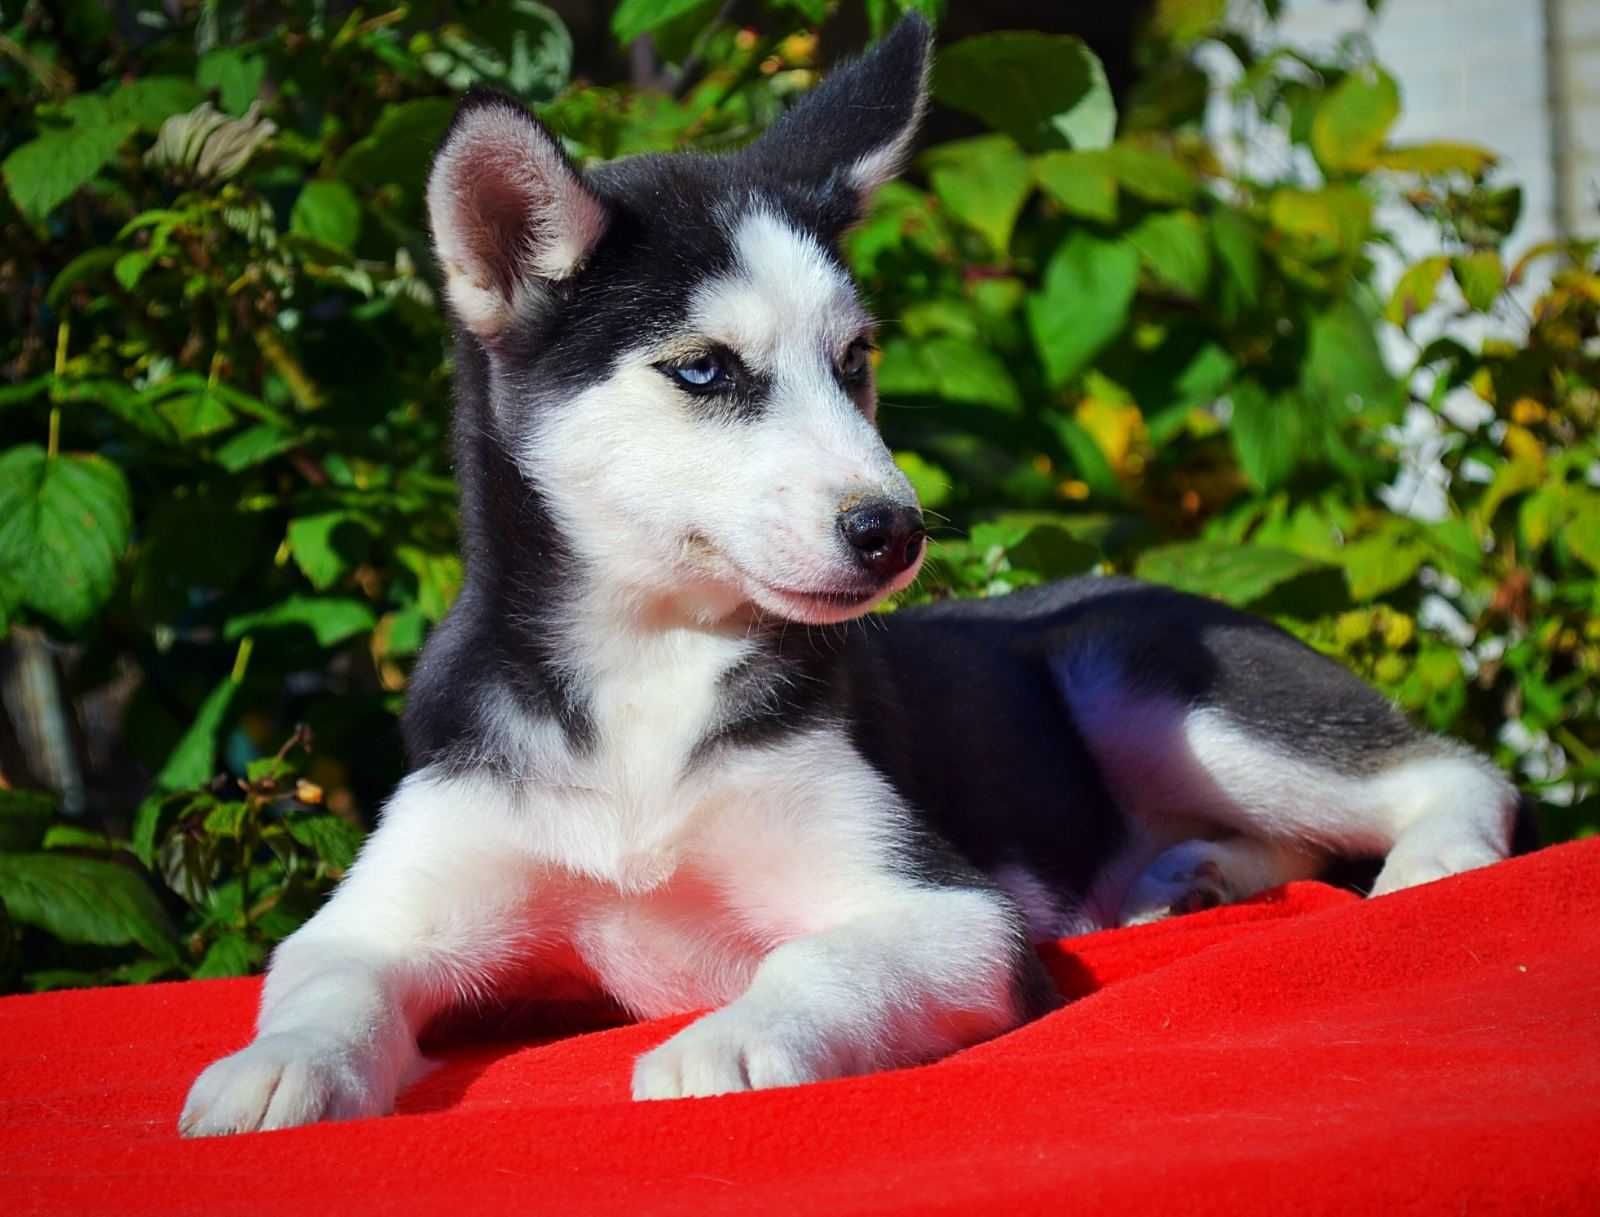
(1113, 342)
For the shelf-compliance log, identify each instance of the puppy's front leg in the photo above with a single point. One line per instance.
(931, 971)
(429, 913)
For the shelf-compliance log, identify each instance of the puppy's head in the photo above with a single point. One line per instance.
(677, 357)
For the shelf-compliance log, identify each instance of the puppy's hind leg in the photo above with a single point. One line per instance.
(1200, 874)
(427, 916)
(1449, 812)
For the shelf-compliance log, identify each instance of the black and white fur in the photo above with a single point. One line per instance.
(655, 753)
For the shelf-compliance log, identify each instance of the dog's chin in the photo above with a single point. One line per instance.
(825, 605)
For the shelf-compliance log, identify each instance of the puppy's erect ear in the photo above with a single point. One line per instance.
(855, 129)
(509, 212)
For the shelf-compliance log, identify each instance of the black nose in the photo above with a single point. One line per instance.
(885, 537)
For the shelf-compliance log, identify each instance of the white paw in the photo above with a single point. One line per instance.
(1408, 867)
(731, 1050)
(282, 1081)
(1186, 878)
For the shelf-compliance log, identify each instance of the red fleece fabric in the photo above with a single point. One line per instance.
(1435, 1051)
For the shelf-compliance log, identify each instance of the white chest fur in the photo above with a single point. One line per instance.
(671, 881)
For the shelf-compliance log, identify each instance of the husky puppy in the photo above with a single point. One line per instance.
(655, 753)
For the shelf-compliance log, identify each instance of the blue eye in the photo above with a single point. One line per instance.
(703, 373)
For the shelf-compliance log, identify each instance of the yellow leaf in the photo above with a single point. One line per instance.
(1526, 412)
(1185, 21)
(1117, 427)
(1524, 447)
(1581, 282)
(1436, 158)
(1414, 292)
(1352, 120)
(1482, 383)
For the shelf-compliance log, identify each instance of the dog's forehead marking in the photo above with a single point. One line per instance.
(784, 295)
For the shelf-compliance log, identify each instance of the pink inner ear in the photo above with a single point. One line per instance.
(499, 202)
(508, 209)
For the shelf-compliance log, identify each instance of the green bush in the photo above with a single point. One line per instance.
(224, 485)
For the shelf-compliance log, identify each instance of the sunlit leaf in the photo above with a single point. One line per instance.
(1238, 574)
(983, 182)
(331, 620)
(1352, 121)
(1438, 157)
(1176, 249)
(1082, 182)
(1088, 287)
(1481, 277)
(1414, 292)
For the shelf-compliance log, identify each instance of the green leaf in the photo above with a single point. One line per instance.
(1187, 371)
(983, 182)
(191, 764)
(70, 836)
(438, 579)
(1087, 457)
(45, 172)
(1186, 21)
(1353, 120)
(398, 150)
(333, 840)
(1081, 182)
(1175, 249)
(235, 74)
(1437, 157)
(328, 212)
(1238, 574)
(956, 369)
(196, 415)
(1238, 261)
(332, 621)
(1481, 276)
(1582, 533)
(324, 545)
(1269, 434)
(64, 525)
(1414, 292)
(635, 17)
(1152, 175)
(1083, 304)
(1344, 369)
(1044, 90)
(24, 817)
(193, 760)
(85, 900)
(253, 445)
(1542, 514)
(148, 102)
(86, 265)
(1517, 476)
(232, 954)
(1382, 562)
(28, 390)
(136, 409)
(1328, 223)
(226, 820)
(130, 267)
(1046, 548)
(931, 483)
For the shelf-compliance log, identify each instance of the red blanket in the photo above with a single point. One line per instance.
(1435, 1051)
